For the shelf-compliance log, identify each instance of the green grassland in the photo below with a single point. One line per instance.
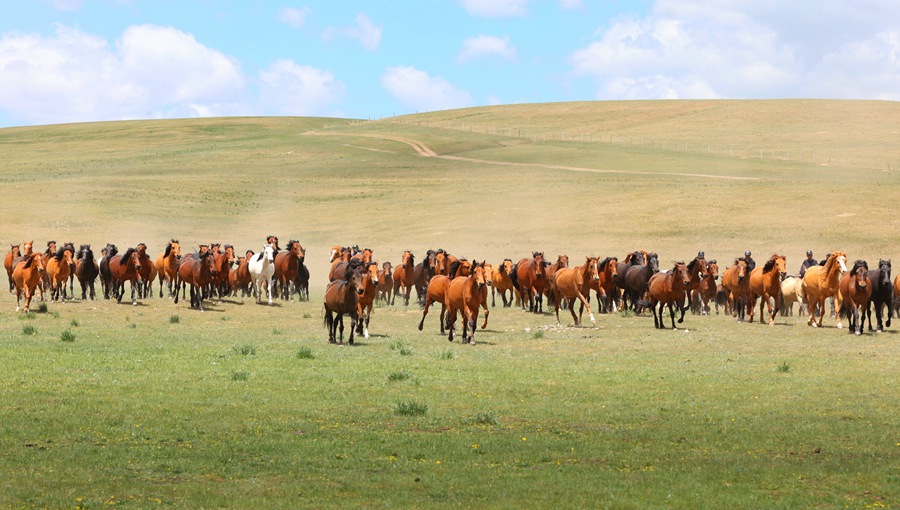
(247, 406)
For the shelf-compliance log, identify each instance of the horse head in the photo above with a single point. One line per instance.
(712, 268)
(860, 271)
(741, 264)
(208, 263)
(507, 266)
(27, 248)
(653, 262)
(538, 263)
(609, 265)
(269, 253)
(111, 250)
(593, 270)
(65, 254)
(781, 266)
(488, 274)
(372, 272)
(134, 258)
(884, 269)
(478, 274)
(355, 279)
(681, 271)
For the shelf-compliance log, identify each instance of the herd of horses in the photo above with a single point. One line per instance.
(462, 287)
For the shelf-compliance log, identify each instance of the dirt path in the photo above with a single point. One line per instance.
(426, 152)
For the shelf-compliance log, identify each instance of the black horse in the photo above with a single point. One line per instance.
(635, 258)
(86, 270)
(301, 283)
(882, 294)
(105, 277)
(637, 280)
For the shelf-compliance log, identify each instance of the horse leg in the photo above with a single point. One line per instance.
(672, 314)
(472, 321)
(354, 318)
(428, 303)
(451, 322)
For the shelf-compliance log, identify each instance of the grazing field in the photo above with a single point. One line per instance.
(247, 406)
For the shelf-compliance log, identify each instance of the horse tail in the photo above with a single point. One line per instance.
(514, 276)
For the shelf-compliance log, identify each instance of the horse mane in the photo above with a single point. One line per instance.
(605, 261)
(30, 261)
(168, 250)
(692, 265)
(769, 264)
(860, 263)
(128, 253)
(412, 258)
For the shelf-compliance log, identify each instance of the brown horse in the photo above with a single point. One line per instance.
(465, 294)
(856, 289)
(529, 281)
(822, 282)
(562, 262)
(667, 289)
(698, 270)
(422, 274)
(86, 270)
(147, 270)
(575, 283)
(364, 256)
(501, 282)
(125, 268)
(338, 255)
(287, 265)
(198, 271)
(58, 269)
(342, 297)
(895, 303)
(386, 282)
(367, 297)
(11, 255)
(240, 277)
(489, 282)
(28, 274)
(765, 282)
(607, 270)
(706, 291)
(167, 265)
(636, 280)
(442, 262)
(736, 284)
(404, 277)
(436, 293)
(221, 281)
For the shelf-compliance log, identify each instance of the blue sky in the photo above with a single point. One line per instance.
(91, 60)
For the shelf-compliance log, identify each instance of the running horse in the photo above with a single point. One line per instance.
(575, 283)
(386, 282)
(240, 277)
(404, 277)
(882, 293)
(706, 291)
(369, 273)
(765, 282)
(442, 262)
(635, 258)
(422, 273)
(58, 270)
(503, 283)
(698, 270)
(856, 289)
(342, 298)
(437, 293)
(125, 268)
(822, 282)
(28, 273)
(167, 266)
(528, 279)
(736, 285)
(607, 270)
(287, 266)
(11, 255)
(338, 255)
(147, 272)
(86, 270)
(562, 262)
(106, 282)
(262, 272)
(637, 279)
(667, 289)
(465, 295)
(199, 271)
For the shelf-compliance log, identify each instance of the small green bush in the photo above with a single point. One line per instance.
(174, 319)
(239, 376)
(784, 367)
(245, 350)
(67, 336)
(28, 329)
(305, 353)
(400, 375)
(410, 408)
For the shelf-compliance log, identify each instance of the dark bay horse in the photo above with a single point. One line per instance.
(882, 294)
(635, 258)
(342, 297)
(667, 289)
(637, 280)
(86, 270)
(404, 277)
(529, 281)
(106, 282)
(855, 289)
(198, 271)
(464, 295)
(422, 273)
(125, 268)
(301, 283)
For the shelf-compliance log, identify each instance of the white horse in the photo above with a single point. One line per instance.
(262, 269)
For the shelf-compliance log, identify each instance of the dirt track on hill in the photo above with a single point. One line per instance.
(426, 152)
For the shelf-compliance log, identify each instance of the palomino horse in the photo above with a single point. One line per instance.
(882, 293)
(436, 293)
(706, 291)
(422, 274)
(637, 280)
(667, 289)
(11, 255)
(125, 268)
(765, 282)
(821, 282)
(856, 289)
(167, 265)
(86, 270)
(386, 282)
(501, 282)
(792, 292)
(736, 284)
(575, 283)
(529, 281)
(199, 271)
(367, 296)
(342, 297)
(27, 276)
(465, 294)
(287, 265)
(262, 272)
(58, 269)
(404, 277)
(607, 270)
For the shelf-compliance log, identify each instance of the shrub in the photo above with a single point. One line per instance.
(305, 353)
(410, 408)
(67, 336)
(400, 375)
(28, 329)
(784, 367)
(239, 376)
(174, 319)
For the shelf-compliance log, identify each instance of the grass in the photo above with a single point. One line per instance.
(67, 336)
(410, 408)
(305, 353)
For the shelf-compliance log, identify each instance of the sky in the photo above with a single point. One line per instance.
(94, 60)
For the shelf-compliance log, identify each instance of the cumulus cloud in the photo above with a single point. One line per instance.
(287, 88)
(364, 31)
(496, 8)
(745, 49)
(486, 46)
(421, 92)
(294, 17)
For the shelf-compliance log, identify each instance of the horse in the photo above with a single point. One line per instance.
(529, 281)
(442, 262)
(262, 272)
(364, 255)
(856, 289)
(607, 270)
(58, 269)
(167, 265)
(301, 282)
(736, 285)
(198, 271)
(240, 277)
(666, 289)
(489, 283)
(386, 282)
(342, 297)
(287, 265)
(436, 293)
(637, 279)
(765, 282)
(106, 282)
(422, 273)
(11, 255)
(27, 276)
(575, 283)
(147, 271)
(404, 277)
(562, 262)
(635, 258)
(882, 293)
(367, 296)
(338, 255)
(86, 270)
(895, 304)
(792, 292)
(465, 294)
(698, 270)
(822, 282)
(124, 268)
(501, 282)
(706, 291)
(224, 258)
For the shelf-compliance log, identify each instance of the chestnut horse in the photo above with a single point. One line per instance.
(607, 270)
(198, 271)
(28, 274)
(465, 294)
(706, 291)
(442, 262)
(822, 282)
(765, 282)
(529, 281)
(856, 289)
(404, 277)
(502, 283)
(287, 265)
(11, 255)
(386, 282)
(436, 293)
(562, 262)
(147, 270)
(86, 270)
(221, 281)
(125, 268)
(369, 288)
(882, 292)
(58, 269)
(895, 303)
(342, 297)
(698, 270)
(736, 284)
(338, 255)
(667, 289)
(167, 265)
(240, 277)
(575, 283)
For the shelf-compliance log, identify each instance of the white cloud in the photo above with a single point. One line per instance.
(368, 35)
(496, 8)
(66, 5)
(486, 46)
(294, 17)
(421, 92)
(571, 5)
(287, 88)
(745, 49)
